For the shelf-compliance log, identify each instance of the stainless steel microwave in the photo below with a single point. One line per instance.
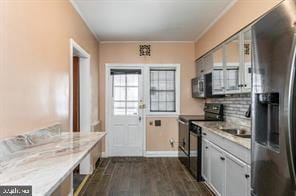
(202, 86)
(198, 87)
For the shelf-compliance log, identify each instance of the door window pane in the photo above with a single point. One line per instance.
(132, 80)
(132, 93)
(119, 111)
(125, 93)
(132, 108)
(119, 80)
(119, 93)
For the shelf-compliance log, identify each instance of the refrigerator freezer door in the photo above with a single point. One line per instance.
(273, 50)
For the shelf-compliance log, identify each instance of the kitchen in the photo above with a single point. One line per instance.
(201, 105)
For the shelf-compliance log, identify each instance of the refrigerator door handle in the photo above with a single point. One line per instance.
(291, 129)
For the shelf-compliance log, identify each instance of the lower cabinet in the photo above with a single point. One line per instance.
(227, 174)
(205, 159)
(237, 177)
(217, 169)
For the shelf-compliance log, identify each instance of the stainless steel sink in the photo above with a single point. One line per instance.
(237, 132)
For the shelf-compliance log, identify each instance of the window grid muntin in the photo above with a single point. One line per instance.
(125, 101)
(165, 91)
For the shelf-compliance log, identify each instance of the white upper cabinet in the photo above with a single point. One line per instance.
(208, 63)
(247, 60)
(232, 65)
(199, 65)
(204, 65)
(218, 72)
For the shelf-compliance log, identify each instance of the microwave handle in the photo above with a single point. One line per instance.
(182, 122)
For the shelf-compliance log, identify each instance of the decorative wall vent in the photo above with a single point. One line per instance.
(145, 50)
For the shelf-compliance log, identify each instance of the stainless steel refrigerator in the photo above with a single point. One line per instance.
(274, 102)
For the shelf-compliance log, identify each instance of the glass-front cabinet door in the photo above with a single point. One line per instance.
(218, 72)
(247, 63)
(232, 65)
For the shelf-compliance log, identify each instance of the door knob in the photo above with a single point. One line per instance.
(142, 105)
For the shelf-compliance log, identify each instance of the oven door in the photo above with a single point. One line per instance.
(195, 153)
(183, 148)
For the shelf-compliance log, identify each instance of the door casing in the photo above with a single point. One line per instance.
(146, 112)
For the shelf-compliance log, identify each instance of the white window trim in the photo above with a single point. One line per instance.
(147, 90)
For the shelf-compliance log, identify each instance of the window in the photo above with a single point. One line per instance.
(125, 91)
(162, 90)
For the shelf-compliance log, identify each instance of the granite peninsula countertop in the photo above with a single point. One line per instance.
(215, 126)
(46, 164)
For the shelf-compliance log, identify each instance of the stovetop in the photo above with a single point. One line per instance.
(189, 118)
(213, 112)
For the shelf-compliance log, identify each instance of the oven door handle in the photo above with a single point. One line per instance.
(182, 148)
(194, 134)
(182, 122)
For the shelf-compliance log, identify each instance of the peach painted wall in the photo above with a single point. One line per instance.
(158, 137)
(35, 61)
(241, 14)
(177, 53)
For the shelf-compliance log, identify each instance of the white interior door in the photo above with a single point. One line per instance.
(125, 94)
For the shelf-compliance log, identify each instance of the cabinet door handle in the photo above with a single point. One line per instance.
(207, 147)
(245, 85)
(247, 175)
(204, 133)
(222, 158)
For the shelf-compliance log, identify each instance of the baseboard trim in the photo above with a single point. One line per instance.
(161, 154)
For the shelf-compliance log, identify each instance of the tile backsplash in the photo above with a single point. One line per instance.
(235, 107)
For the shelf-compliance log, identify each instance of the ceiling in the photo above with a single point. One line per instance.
(150, 20)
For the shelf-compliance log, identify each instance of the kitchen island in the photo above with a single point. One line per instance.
(45, 161)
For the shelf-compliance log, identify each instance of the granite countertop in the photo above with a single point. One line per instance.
(215, 126)
(47, 163)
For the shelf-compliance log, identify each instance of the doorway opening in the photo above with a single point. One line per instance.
(125, 110)
(76, 94)
(80, 104)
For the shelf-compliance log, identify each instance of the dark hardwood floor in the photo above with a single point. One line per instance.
(143, 176)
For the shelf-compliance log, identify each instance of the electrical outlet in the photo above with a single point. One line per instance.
(157, 123)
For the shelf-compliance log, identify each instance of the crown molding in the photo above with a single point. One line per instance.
(75, 6)
(215, 20)
(146, 42)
